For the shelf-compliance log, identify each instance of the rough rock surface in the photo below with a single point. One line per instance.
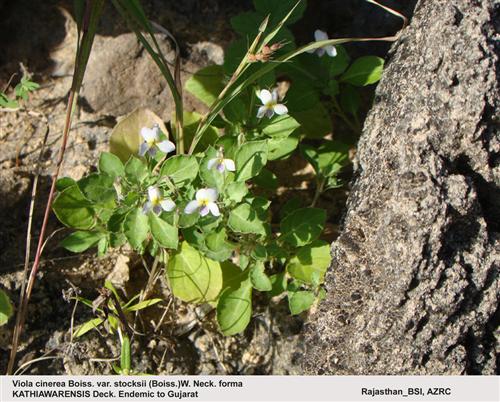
(414, 284)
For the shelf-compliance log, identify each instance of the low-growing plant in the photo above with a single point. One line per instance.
(202, 213)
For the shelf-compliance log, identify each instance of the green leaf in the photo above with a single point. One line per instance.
(315, 122)
(98, 188)
(247, 23)
(136, 228)
(266, 179)
(282, 148)
(165, 234)
(260, 280)
(6, 102)
(217, 247)
(206, 84)
(245, 219)
(73, 209)
(126, 136)
(310, 260)
(181, 169)
(236, 191)
(144, 304)
(328, 159)
(300, 301)
(250, 158)
(6, 309)
(135, 170)
(302, 226)
(280, 126)
(350, 99)
(191, 123)
(125, 355)
(87, 326)
(111, 165)
(364, 71)
(194, 278)
(64, 182)
(259, 253)
(234, 308)
(278, 282)
(80, 241)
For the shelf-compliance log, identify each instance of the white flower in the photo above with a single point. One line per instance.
(156, 202)
(151, 138)
(220, 163)
(330, 49)
(270, 104)
(204, 203)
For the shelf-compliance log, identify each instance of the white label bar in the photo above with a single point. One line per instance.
(249, 388)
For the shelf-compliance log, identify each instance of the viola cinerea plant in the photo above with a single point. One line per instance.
(157, 203)
(329, 49)
(152, 142)
(207, 214)
(220, 163)
(270, 104)
(204, 203)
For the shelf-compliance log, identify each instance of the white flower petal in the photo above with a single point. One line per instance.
(280, 109)
(331, 51)
(147, 207)
(148, 134)
(265, 96)
(143, 149)
(269, 113)
(204, 210)
(191, 207)
(167, 205)
(153, 193)
(320, 35)
(275, 95)
(211, 163)
(229, 164)
(320, 52)
(214, 209)
(211, 194)
(261, 112)
(166, 146)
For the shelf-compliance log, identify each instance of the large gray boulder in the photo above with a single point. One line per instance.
(413, 288)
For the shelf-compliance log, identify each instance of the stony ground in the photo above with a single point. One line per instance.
(120, 78)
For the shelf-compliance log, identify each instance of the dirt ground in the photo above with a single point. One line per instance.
(177, 338)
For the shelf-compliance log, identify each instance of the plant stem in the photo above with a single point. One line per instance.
(320, 185)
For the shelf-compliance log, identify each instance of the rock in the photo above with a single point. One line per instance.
(121, 76)
(413, 287)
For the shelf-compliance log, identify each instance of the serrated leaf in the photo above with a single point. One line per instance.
(282, 148)
(234, 308)
(81, 240)
(136, 228)
(236, 191)
(135, 170)
(364, 71)
(302, 226)
(164, 233)
(300, 301)
(181, 169)
(245, 219)
(260, 280)
(98, 188)
(194, 278)
(111, 165)
(73, 209)
(310, 260)
(280, 126)
(250, 158)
